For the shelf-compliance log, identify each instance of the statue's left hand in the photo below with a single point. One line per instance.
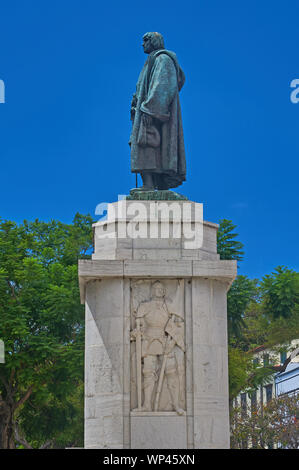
(170, 346)
(133, 334)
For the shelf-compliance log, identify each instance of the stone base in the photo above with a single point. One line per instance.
(158, 431)
(159, 195)
(113, 284)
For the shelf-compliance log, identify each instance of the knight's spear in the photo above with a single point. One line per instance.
(138, 362)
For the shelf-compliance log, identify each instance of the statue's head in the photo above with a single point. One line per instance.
(152, 42)
(158, 290)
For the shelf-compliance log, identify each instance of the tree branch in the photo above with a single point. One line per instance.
(288, 360)
(10, 383)
(46, 445)
(13, 293)
(24, 398)
(20, 438)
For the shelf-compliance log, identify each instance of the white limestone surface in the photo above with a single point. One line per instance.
(196, 283)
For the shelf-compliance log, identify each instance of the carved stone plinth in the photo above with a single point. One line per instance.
(148, 428)
(156, 330)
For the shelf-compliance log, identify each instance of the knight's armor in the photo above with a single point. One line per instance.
(155, 322)
(155, 317)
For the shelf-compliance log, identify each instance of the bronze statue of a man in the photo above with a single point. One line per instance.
(157, 141)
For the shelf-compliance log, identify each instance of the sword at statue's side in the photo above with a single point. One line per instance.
(138, 363)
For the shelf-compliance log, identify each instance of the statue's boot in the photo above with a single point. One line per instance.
(149, 383)
(148, 182)
(174, 389)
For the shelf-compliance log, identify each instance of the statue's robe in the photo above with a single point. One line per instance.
(159, 149)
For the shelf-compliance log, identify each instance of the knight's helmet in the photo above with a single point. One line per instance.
(155, 286)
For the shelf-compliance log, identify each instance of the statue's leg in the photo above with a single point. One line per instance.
(149, 379)
(173, 383)
(148, 182)
(160, 182)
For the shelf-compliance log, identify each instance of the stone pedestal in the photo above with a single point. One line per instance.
(128, 281)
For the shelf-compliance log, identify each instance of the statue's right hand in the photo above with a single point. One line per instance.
(133, 112)
(134, 101)
(134, 334)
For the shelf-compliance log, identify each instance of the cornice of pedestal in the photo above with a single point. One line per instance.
(221, 270)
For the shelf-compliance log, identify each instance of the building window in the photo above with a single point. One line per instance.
(243, 403)
(269, 392)
(266, 360)
(253, 399)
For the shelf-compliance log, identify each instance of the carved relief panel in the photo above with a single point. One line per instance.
(158, 346)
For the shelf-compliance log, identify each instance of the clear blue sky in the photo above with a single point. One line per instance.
(70, 68)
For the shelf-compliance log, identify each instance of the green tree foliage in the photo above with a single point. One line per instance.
(256, 325)
(244, 373)
(243, 289)
(262, 326)
(259, 328)
(282, 330)
(239, 364)
(241, 293)
(41, 324)
(280, 292)
(271, 319)
(227, 246)
(258, 314)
